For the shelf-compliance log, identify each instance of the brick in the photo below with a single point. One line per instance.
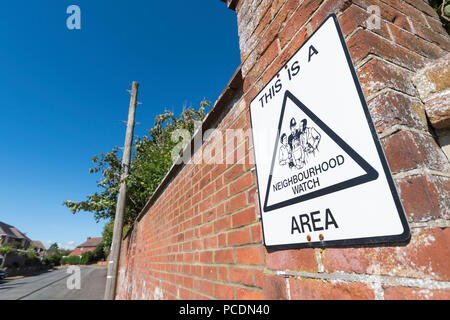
(327, 7)
(355, 17)
(239, 237)
(223, 256)
(429, 34)
(222, 224)
(236, 203)
(438, 110)
(287, 52)
(274, 288)
(434, 78)
(248, 255)
(313, 289)
(391, 108)
(259, 278)
(376, 75)
(295, 260)
(407, 150)
(402, 293)
(241, 183)
(223, 291)
(298, 19)
(262, 63)
(248, 294)
(256, 234)
(423, 197)
(210, 242)
(365, 42)
(233, 172)
(210, 272)
(437, 26)
(413, 43)
(408, 10)
(242, 276)
(205, 287)
(424, 7)
(244, 217)
(426, 255)
(206, 257)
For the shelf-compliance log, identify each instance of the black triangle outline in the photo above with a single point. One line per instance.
(371, 173)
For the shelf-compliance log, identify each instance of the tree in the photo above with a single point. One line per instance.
(53, 247)
(151, 159)
(6, 249)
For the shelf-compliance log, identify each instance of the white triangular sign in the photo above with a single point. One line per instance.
(309, 159)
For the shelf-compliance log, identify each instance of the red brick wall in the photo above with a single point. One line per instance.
(201, 239)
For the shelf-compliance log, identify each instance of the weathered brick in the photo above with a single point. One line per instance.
(376, 75)
(414, 43)
(365, 42)
(434, 78)
(355, 17)
(407, 150)
(274, 288)
(402, 293)
(298, 20)
(314, 289)
(394, 108)
(425, 256)
(296, 260)
(263, 62)
(424, 197)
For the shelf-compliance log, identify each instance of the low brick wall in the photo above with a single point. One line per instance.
(200, 237)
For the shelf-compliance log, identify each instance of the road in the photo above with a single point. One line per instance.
(55, 285)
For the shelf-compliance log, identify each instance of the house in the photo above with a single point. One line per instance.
(40, 249)
(89, 245)
(9, 234)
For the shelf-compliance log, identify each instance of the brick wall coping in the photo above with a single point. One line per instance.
(210, 122)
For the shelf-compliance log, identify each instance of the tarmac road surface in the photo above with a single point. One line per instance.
(57, 285)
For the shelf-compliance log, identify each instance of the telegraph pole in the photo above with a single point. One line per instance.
(113, 263)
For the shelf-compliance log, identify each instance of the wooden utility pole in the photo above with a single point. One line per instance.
(113, 263)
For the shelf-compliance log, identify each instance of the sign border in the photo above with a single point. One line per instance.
(354, 241)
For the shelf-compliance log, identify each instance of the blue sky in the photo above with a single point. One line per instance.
(63, 94)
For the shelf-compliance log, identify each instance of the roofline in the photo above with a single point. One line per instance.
(213, 115)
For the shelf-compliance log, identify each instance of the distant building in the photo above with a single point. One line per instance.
(40, 249)
(9, 234)
(89, 245)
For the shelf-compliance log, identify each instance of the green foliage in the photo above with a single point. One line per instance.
(151, 159)
(52, 260)
(442, 7)
(9, 248)
(53, 247)
(64, 252)
(32, 258)
(73, 260)
(99, 252)
(88, 258)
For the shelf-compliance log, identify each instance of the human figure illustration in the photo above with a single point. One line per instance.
(310, 139)
(285, 151)
(297, 158)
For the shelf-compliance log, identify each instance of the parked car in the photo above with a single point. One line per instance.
(3, 274)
